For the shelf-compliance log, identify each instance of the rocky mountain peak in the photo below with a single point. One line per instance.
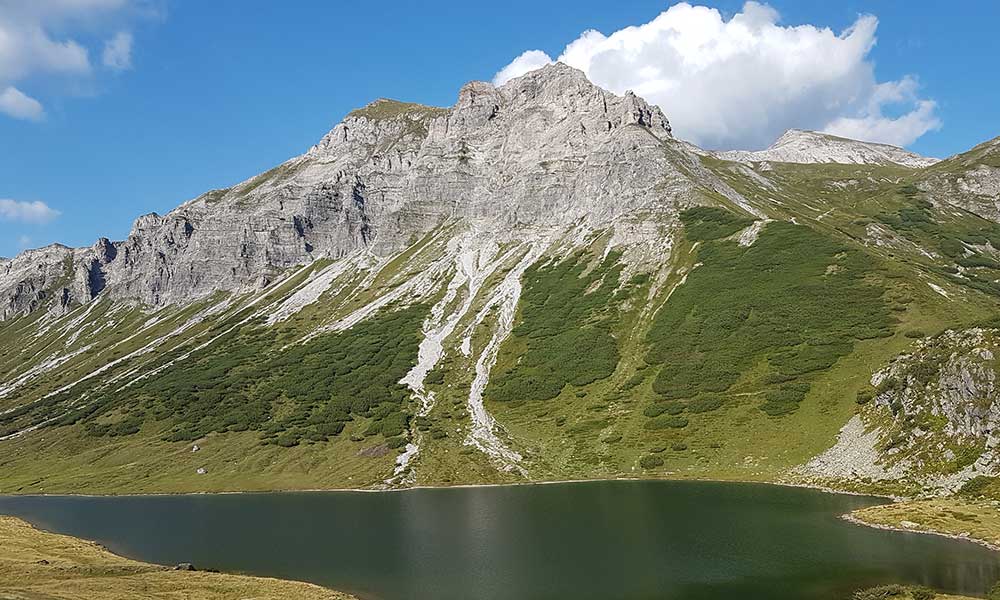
(547, 149)
(565, 90)
(804, 146)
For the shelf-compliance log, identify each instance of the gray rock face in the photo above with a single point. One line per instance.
(798, 146)
(943, 396)
(548, 148)
(970, 181)
(54, 276)
(935, 419)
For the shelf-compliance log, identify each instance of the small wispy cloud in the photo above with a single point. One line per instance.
(36, 212)
(17, 104)
(118, 52)
(23, 242)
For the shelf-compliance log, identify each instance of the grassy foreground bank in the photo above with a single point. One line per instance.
(967, 518)
(37, 565)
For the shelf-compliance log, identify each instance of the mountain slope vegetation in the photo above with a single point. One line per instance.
(538, 283)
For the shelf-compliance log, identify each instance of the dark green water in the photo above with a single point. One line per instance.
(674, 540)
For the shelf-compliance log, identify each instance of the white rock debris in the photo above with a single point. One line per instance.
(474, 261)
(483, 431)
(749, 235)
(310, 291)
(40, 368)
(855, 455)
(938, 289)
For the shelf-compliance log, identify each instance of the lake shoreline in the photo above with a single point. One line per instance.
(811, 486)
(850, 518)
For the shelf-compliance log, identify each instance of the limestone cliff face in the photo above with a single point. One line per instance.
(970, 181)
(546, 149)
(55, 276)
(943, 405)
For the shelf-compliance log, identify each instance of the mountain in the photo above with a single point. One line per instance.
(798, 146)
(539, 282)
(537, 151)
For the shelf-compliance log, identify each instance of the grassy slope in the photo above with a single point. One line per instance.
(594, 429)
(66, 459)
(37, 565)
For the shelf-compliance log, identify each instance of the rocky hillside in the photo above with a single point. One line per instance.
(539, 282)
(549, 149)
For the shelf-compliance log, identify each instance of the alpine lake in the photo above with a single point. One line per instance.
(609, 539)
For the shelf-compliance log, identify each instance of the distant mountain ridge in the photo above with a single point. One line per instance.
(800, 146)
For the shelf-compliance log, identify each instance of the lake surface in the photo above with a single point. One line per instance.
(624, 539)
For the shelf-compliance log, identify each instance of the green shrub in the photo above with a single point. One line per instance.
(981, 485)
(679, 447)
(724, 319)
(671, 407)
(784, 399)
(650, 461)
(394, 424)
(864, 395)
(287, 439)
(952, 247)
(710, 223)
(566, 315)
(633, 381)
(236, 383)
(978, 261)
(705, 403)
(396, 442)
(994, 592)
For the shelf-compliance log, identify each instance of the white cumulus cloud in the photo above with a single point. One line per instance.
(741, 82)
(118, 52)
(528, 61)
(30, 50)
(26, 212)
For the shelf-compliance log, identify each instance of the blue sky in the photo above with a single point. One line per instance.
(177, 97)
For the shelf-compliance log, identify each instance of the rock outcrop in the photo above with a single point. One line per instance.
(939, 409)
(56, 277)
(970, 180)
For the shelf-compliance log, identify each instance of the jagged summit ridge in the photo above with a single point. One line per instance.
(802, 146)
(547, 149)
